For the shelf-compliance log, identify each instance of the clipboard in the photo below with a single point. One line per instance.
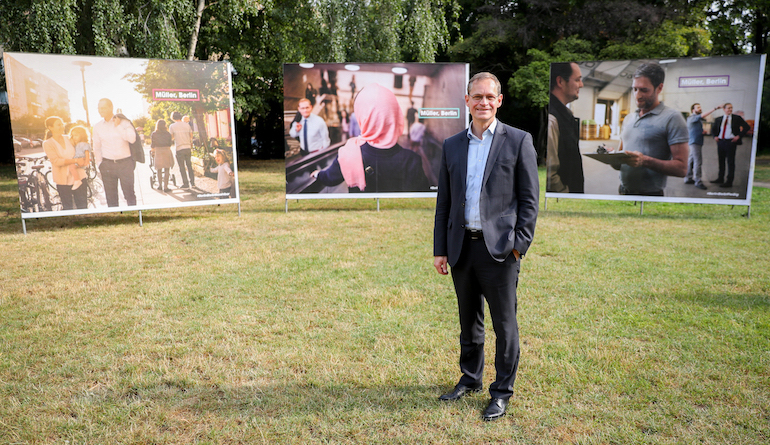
(609, 158)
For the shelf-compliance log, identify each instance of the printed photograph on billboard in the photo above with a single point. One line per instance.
(369, 129)
(99, 134)
(677, 130)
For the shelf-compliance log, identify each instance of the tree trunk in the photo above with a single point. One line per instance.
(203, 134)
(196, 30)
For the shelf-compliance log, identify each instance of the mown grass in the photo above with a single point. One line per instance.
(328, 324)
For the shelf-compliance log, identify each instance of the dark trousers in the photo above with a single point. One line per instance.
(726, 151)
(71, 199)
(184, 158)
(478, 276)
(114, 172)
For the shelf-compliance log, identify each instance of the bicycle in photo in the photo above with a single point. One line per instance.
(34, 195)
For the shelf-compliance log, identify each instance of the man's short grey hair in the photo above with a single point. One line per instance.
(485, 75)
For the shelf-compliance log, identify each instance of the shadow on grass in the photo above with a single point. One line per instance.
(12, 223)
(334, 403)
(734, 301)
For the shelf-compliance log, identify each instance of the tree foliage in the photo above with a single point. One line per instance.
(516, 40)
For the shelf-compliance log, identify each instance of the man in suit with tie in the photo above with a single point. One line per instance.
(311, 129)
(486, 212)
(728, 131)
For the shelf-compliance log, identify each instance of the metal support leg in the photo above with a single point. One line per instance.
(140, 218)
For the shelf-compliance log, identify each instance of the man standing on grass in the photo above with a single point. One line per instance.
(485, 219)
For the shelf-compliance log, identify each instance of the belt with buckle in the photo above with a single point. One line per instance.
(115, 161)
(474, 234)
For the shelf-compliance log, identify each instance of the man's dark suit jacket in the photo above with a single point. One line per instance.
(510, 194)
(739, 127)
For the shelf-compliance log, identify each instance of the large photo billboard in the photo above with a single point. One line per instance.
(666, 130)
(369, 129)
(99, 134)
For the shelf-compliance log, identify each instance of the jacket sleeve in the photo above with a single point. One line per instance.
(528, 195)
(443, 206)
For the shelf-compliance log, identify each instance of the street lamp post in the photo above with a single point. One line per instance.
(83, 64)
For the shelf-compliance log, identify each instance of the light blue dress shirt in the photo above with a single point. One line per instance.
(478, 153)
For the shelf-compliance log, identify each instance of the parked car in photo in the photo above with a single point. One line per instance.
(16, 145)
(25, 143)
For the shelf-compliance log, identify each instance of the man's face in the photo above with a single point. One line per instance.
(697, 109)
(645, 94)
(304, 109)
(572, 86)
(105, 109)
(728, 109)
(483, 101)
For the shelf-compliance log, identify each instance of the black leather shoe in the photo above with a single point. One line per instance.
(458, 393)
(495, 409)
(726, 185)
(718, 181)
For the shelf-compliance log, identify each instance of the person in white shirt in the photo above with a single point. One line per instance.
(224, 172)
(112, 137)
(311, 129)
(182, 135)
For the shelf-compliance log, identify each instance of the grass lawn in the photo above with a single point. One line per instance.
(329, 325)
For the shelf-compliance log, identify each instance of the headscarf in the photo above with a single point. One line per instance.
(381, 122)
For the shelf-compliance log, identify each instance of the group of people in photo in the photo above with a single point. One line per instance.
(109, 143)
(369, 151)
(656, 140)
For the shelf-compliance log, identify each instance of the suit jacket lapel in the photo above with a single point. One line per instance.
(494, 151)
(464, 162)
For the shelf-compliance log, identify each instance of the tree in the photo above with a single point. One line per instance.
(208, 78)
(740, 26)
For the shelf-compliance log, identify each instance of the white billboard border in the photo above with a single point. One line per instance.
(139, 208)
(376, 196)
(684, 200)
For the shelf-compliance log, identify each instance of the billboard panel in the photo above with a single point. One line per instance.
(614, 134)
(369, 129)
(99, 134)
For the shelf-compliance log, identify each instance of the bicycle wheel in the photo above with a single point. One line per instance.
(25, 198)
(43, 193)
(91, 170)
(50, 184)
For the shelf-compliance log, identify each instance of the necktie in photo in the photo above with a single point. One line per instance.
(724, 128)
(304, 134)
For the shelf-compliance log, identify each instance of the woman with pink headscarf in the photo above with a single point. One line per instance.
(374, 162)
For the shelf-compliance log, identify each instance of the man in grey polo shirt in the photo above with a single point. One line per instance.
(655, 138)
